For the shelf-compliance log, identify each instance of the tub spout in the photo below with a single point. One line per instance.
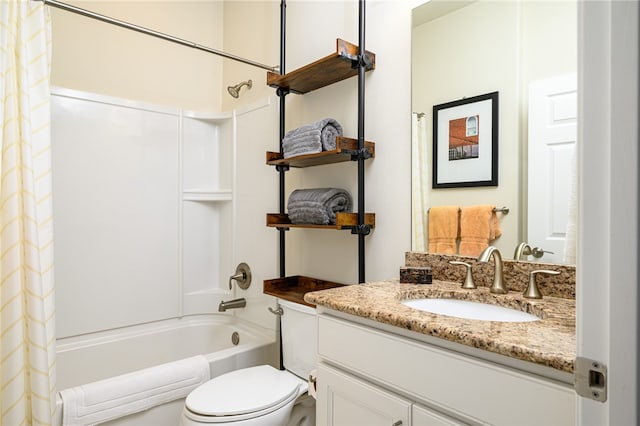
(232, 304)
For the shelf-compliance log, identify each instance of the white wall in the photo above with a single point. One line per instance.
(93, 56)
(252, 31)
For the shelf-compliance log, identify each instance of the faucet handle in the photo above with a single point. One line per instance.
(532, 291)
(242, 276)
(538, 252)
(468, 280)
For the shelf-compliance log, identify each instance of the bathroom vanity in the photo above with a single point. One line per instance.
(381, 362)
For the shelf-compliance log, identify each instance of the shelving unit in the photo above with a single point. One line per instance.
(346, 62)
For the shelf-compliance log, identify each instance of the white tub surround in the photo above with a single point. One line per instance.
(147, 233)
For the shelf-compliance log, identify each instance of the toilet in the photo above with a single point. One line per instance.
(264, 395)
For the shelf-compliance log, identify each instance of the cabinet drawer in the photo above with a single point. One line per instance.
(474, 389)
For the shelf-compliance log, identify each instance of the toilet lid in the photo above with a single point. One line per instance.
(243, 391)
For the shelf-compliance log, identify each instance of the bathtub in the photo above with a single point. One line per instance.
(84, 359)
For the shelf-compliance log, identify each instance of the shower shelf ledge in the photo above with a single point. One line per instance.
(207, 195)
(343, 221)
(345, 149)
(323, 72)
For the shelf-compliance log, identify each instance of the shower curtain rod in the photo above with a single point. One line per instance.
(123, 24)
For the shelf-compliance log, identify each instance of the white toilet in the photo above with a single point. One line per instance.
(264, 395)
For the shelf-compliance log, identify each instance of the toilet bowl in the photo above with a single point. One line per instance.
(263, 395)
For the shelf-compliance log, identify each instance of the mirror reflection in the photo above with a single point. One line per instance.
(527, 52)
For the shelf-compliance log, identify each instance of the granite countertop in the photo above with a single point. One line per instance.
(549, 342)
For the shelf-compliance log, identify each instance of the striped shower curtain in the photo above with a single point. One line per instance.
(27, 343)
(419, 175)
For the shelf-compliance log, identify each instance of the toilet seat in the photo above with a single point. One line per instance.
(243, 394)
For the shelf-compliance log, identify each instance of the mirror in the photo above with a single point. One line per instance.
(463, 49)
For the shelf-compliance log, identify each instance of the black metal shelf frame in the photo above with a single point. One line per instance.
(361, 62)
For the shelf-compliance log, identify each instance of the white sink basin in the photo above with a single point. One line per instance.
(469, 310)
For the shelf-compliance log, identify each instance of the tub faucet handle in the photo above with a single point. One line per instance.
(242, 276)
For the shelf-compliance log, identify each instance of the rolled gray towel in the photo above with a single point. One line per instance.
(311, 138)
(318, 206)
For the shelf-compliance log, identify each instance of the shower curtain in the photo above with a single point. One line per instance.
(27, 342)
(419, 170)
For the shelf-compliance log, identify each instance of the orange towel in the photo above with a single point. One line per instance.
(478, 227)
(443, 229)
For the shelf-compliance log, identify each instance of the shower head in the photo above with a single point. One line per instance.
(235, 90)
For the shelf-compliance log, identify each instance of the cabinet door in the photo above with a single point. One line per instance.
(423, 416)
(344, 400)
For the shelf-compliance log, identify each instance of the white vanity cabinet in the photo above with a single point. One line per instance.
(367, 376)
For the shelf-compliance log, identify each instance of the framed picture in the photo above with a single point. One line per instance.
(465, 142)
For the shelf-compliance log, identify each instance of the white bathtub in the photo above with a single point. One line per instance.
(84, 359)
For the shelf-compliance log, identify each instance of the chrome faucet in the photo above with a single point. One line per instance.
(498, 279)
(232, 304)
(523, 249)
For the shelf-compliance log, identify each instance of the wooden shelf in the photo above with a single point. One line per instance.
(345, 148)
(323, 72)
(295, 287)
(343, 221)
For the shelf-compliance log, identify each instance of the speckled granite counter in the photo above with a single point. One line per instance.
(516, 273)
(550, 342)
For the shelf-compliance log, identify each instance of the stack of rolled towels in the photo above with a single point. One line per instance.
(311, 138)
(318, 206)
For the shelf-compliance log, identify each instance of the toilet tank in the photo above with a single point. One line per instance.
(299, 338)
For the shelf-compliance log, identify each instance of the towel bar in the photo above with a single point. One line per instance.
(504, 210)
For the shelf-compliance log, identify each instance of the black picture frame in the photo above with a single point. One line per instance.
(465, 142)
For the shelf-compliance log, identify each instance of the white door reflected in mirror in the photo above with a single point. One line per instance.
(553, 117)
